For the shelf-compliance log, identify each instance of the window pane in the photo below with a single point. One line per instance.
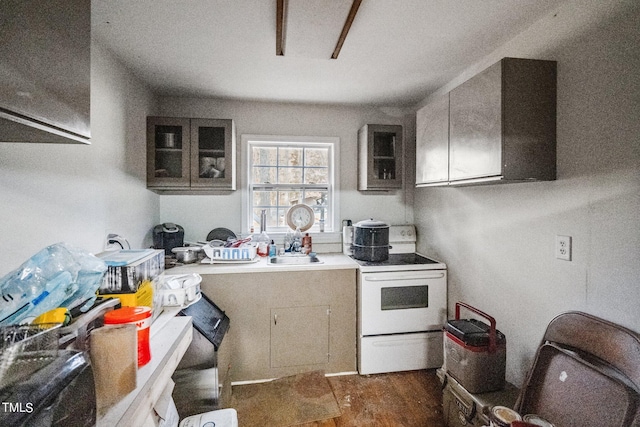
(282, 217)
(289, 198)
(263, 175)
(318, 204)
(315, 197)
(283, 169)
(316, 157)
(290, 175)
(265, 198)
(264, 156)
(316, 175)
(272, 218)
(290, 156)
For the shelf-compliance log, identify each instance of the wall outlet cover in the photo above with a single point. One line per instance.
(563, 248)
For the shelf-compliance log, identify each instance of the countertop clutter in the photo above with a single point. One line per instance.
(328, 261)
(170, 338)
(86, 325)
(133, 384)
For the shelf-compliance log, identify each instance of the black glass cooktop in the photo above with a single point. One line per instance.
(398, 259)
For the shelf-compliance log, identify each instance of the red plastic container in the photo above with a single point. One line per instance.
(139, 316)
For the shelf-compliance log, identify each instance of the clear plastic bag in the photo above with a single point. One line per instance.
(58, 276)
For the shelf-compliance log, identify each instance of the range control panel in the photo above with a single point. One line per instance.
(402, 234)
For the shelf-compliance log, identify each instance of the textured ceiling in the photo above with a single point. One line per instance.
(396, 53)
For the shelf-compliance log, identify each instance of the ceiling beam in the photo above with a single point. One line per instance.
(280, 26)
(345, 29)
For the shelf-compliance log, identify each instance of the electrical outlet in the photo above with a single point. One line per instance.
(563, 247)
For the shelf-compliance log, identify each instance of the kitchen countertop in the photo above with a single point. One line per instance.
(330, 261)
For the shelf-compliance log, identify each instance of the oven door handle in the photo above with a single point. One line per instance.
(387, 279)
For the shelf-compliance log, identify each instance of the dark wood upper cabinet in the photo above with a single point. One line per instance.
(45, 71)
(380, 157)
(190, 155)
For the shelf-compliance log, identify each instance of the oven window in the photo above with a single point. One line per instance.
(398, 298)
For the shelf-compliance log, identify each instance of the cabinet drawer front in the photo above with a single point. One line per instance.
(393, 353)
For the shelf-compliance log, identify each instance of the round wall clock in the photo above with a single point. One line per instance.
(300, 216)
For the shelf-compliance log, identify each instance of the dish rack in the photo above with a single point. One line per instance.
(242, 253)
(25, 349)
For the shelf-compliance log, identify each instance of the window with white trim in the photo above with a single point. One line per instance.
(284, 171)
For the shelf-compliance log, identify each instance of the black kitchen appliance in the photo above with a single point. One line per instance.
(168, 236)
(370, 240)
(53, 391)
(202, 378)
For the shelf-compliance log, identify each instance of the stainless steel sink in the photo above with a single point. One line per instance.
(294, 260)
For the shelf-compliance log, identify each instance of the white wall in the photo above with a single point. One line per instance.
(199, 214)
(498, 241)
(78, 193)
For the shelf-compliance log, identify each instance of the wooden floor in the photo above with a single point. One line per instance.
(402, 399)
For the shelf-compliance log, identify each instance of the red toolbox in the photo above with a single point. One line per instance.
(475, 353)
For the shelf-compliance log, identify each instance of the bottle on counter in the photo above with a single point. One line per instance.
(262, 244)
(306, 244)
(296, 245)
(288, 240)
(263, 238)
(273, 250)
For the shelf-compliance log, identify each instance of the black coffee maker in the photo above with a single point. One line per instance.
(168, 236)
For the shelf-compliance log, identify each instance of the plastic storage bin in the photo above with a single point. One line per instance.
(221, 418)
(128, 270)
(475, 353)
(180, 290)
(139, 316)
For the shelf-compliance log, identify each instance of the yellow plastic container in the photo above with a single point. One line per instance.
(57, 315)
(143, 297)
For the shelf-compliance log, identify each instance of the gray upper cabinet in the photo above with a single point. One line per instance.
(190, 155)
(380, 157)
(502, 128)
(45, 71)
(432, 143)
(503, 124)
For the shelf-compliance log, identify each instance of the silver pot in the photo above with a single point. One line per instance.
(187, 254)
(371, 240)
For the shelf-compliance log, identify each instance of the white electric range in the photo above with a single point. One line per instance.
(402, 307)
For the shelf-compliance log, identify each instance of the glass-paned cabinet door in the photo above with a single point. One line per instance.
(380, 157)
(213, 153)
(168, 150)
(384, 155)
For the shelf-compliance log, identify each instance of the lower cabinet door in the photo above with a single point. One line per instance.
(299, 336)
